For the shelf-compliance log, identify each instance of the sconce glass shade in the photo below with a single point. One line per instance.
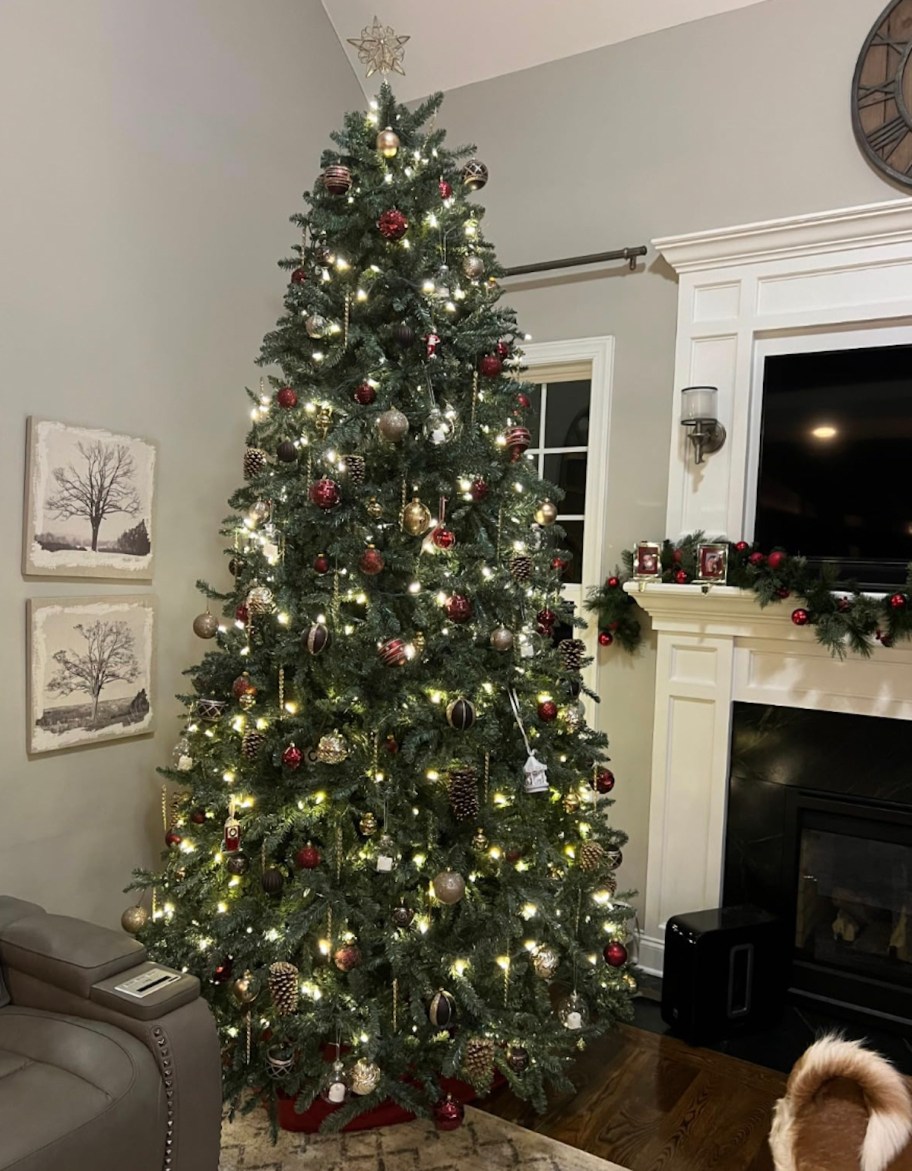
(698, 402)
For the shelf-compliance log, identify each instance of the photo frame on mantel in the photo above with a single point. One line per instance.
(89, 503)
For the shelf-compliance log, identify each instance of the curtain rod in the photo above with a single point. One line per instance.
(628, 254)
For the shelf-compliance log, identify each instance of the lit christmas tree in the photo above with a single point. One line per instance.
(388, 846)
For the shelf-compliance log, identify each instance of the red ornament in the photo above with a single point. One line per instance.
(321, 563)
(392, 224)
(513, 855)
(292, 757)
(198, 816)
(681, 576)
(545, 620)
(757, 559)
(446, 191)
(299, 276)
(448, 1115)
(899, 602)
(503, 348)
(523, 401)
(371, 561)
(347, 957)
(325, 493)
(490, 366)
(677, 556)
(604, 781)
(612, 583)
(222, 973)
(308, 857)
(605, 638)
(431, 342)
(393, 653)
(458, 608)
(365, 394)
(776, 559)
(391, 744)
(479, 490)
(231, 835)
(547, 710)
(241, 613)
(242, 686)
(783, 592)
(287, 397)
(742, 546)
(173, 838)
(843, 605)
(518, 440)
(443, 538)
(559, 564)
(615, 954)
(800, 617)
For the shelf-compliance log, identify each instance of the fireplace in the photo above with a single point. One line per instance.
(819, 831)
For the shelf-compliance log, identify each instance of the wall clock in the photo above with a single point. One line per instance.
(882, 93)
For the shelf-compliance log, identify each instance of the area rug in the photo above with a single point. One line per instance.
(483, 1143)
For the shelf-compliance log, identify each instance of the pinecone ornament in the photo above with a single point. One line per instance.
(260, 600)
(591, 856)
(521, 566)
(283, 987)
(478, 1061)
(254, 462)
(354, 468)
(463, 793)
(572, 651)
(252, 742)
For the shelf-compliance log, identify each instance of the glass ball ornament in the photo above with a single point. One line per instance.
(460, 714)
(445, 189)
(286, 397)
(518, 1058)
(441, 426)
(238, 864)
(443, 538)
(244, 989)
(308, 857)
(546, 513)
(394, 653)
(615, 954)
(393, 425)
(603, 781)
(205, 625)
(392, 224)
(292, 757)
(347, 957)
(800, 617)
(605, 638)
(134, 919)
(364, 1077)
(371, 561)
(448, 1114)
(388, 143)
(321, 563)
(272, 881)
(442, 1009)
(335, 1091)
(502, 639)
(416, 518)
(479, 490)
(898, 602)
(458, 608)
(517, 440)
(449, 887)
(259, 513)
(490, 366)
(473, 267)
(547, 711)
(316, 326)
(573, 1013)
(287, 452)
(337, 179)
(316, 639)
(474, 175)
(374, 508)
(545, 962)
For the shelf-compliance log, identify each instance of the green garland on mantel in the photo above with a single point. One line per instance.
(844, 619)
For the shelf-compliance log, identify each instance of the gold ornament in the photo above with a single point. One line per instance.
(416, 518)
(545, 963)
(134, 919)
(323, 420)
(205, 625)
(388, 143)
(332, 749)
(546, 513)
(247, 700)
(374, 508)
(629, 981)
(419, 642)
(572, 718)
(479, 840)
(591, 856)
(243, 989)
(364, 1077)
(571, 802)
(380, 49)
(368, 825)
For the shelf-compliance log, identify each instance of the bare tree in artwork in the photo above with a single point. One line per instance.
(109, 657)
(101, 485)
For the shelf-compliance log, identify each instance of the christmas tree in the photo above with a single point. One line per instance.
(387, 842)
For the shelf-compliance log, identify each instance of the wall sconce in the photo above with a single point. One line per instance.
(699, 413)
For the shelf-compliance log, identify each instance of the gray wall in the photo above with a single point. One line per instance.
(732, 119)
(152, 152)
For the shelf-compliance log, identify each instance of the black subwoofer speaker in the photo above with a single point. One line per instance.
(726, 972)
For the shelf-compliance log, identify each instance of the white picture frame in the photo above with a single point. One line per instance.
(91, 670)
(89, 503)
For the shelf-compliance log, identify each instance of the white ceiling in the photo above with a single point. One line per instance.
(457, 42)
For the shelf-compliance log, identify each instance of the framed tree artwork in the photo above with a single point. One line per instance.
(89, 503)
(91, 670)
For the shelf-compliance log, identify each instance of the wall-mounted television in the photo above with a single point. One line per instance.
(835, 472)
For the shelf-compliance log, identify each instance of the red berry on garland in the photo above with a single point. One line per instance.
(321, 563)
(443, 538)
(615, 954)
(173, 838)
(899, 602)
(801, 617)
(605, 638)
(287, 397)
(391, 744)
(479, 490)
(559, 564)
(677, 556)
(325, 493)
(783, 592)
(545, 620)
(241, 613)
(776, 559)
(446, 191)
(757, 559)
(523, 401)
(222, 973)
(547, 710)
(503, 348)
(604, 781)
(371, 561)
(448, 1115)
(742, 546)
(292, 757)
(308, 857)
(365, 394)
(843, 605)
(490, 366)
(612, 583)
(458, 608)
(299, 276)
(198, 816)
(392, 224)
(681, 576)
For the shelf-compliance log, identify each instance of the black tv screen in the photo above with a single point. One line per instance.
(835, 478)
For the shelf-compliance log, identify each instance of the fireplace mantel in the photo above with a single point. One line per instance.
(714, 649)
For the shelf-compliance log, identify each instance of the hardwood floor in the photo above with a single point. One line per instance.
(653, 1103)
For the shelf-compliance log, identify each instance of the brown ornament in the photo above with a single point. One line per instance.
(134, 919)
(337, 179)
(251, 743)
(254, 462)
(502, 639)
(416, 518)
(462, 789)
(388, 145)
(449, 887)
(347, 957)
(205, 625)
(393, 425)
(244, 989)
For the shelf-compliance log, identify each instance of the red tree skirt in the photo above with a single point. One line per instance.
(386, 1114)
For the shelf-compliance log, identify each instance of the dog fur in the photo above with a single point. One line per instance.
(845, 1109)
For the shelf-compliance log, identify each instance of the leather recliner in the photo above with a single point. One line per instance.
(94, 1077)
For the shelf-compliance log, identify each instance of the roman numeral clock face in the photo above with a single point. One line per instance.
(882, 93)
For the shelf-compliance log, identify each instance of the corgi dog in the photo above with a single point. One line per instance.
(845, 1109)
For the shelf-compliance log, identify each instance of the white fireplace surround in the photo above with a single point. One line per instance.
(837, 280)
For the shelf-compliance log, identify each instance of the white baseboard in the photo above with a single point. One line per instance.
(652, 955)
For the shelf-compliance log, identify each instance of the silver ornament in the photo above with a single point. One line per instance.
(502, 639)
(316, 325)
(441, 426)
(545, 963)
(205, 625)
(393, 425)
(449, 887)
(473, 267)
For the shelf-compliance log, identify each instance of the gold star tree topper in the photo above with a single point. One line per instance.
(380, 49)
